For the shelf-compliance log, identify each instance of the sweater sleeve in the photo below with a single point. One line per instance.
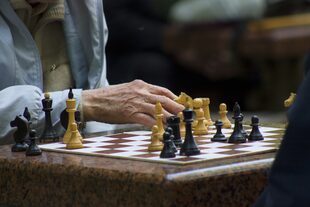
(13, 101)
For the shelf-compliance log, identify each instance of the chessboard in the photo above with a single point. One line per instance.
(133, 145)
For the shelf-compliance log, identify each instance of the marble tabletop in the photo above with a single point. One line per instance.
(57, 179)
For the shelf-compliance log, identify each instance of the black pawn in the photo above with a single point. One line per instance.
(20, 134)
(49, 132)
(174, 123)
(219, 136)
(167, 151)
(33, 148)
(237, 136)
(255, 134)
(171, 137)
(189, 146)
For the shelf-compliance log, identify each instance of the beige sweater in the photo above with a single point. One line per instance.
(44, 21)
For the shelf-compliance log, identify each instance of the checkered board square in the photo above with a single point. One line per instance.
(133, 145)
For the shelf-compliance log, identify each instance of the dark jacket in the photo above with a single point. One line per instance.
(289, 180)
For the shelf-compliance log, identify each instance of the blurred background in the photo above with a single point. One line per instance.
(250, 51)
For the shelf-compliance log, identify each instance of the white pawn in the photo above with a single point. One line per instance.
(159, 116)
(200, 128)
(223, 116)
(75, 139)
(206, 111)
(155, 144)
(196, 108)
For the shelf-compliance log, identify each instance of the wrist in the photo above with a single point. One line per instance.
(86, 106)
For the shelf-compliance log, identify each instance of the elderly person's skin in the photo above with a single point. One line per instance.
(132, 102)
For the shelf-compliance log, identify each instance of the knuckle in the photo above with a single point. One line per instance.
(163, 100)
(138, 82)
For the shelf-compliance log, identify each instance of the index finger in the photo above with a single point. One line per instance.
(169, 105)
(158, 90)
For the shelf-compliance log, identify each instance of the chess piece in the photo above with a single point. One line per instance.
(155, 144)
(189, 146)
(171, 136)
(200, 128)
(174, 123)
(241, 126)
(219, 136)
(159, 119)
(255, 134)
(20, 134)
(64, 119)
(237, 136)
(182, 124)
(75, 139)
(33, 148)
(168, 151)
(27, 115)
(237, 112)
(49, 132)
(206, 111)
(64, 116)
(223, 116)
(185, 100)
(290, 100)
(70, 102)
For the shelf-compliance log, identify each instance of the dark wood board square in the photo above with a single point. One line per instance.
(113, 146)
(64, 148)
(117, 141)
(142, 150)
(200, 143)
(236, 146)
(87, 142)
(124, 135)
(110, 151)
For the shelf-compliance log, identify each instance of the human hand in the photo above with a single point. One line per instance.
(132, 102)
